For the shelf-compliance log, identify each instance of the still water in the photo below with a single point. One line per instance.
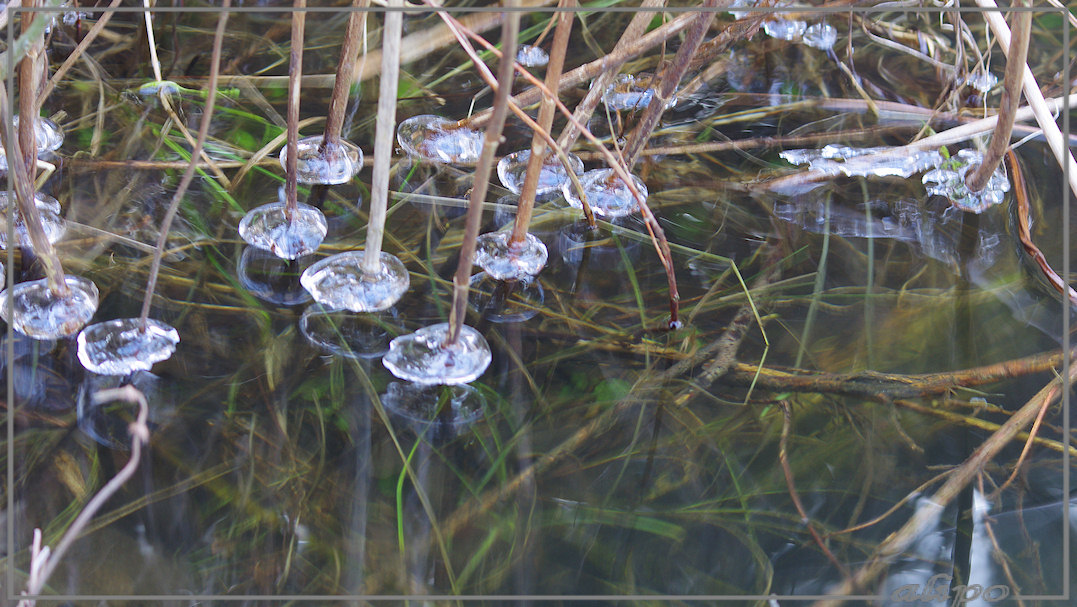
(600, 453)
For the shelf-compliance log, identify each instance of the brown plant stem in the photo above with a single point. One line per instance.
(349, 54)
(188, 173)
(898, 542)
(295, 77)
(385, 128)
(977, 178)
(668, 81)
(510, 28)
(658, 236)
(636, 27)
(545, 120)
(29, 78)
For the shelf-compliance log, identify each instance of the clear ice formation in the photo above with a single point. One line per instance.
(783, 29)
(121, 347)
(512, 169)
(337, 163)
(531, 56)
(949, 180)
(49, 209)
(271, 278)
(503, 302)
(339, 281)
(820, 36)
(436, 139)
(267, 227)
(435, 412)
(49, 139)
(627, 92)
(344, 333)
(494, 255)
(38, 313)
(864, 162)
(982, 81)
(423, 357)
(606, 193)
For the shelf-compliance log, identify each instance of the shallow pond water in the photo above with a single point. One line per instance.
(601, 454)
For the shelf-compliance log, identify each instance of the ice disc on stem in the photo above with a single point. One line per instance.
(49, 138)
(494, 254)
(424, 357)
(627, 92)
(949, 180)
(47, 206)
(606, 193)
(340, 282)
(512, 169)
(121, 347)
(531, 56)
(785, 30)
(39, 313)
(267, 227)
(436, 139)
(329, 165)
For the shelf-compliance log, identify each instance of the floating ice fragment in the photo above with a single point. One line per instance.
(121, 347)
(345, 333)
(39, 313)
(820, 36)
(424, 357)
(49, 209)
(48, 134)
(512, 169)
(785, 30)
(606, 193)
(982, 81)
(340, 282)
(628, 92)
(864, 162)
(499, 259)
(328, 164)
(267, 227)
(436, 139)
(949, 180)
(531, 56)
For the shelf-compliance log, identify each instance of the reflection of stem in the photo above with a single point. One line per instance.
(545, 121)
(925, 518)
(977, 178)
(295, 78)
(510, 28)
(43, 563)
(349, 54)
(383, 137)
(188, 174)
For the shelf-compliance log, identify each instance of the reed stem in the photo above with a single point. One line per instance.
(349, 54)
(385, 129)
(295, 79)
(510, 28)
(545, 120)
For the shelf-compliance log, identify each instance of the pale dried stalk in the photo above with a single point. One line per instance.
(383, 137)
(1033, 95)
